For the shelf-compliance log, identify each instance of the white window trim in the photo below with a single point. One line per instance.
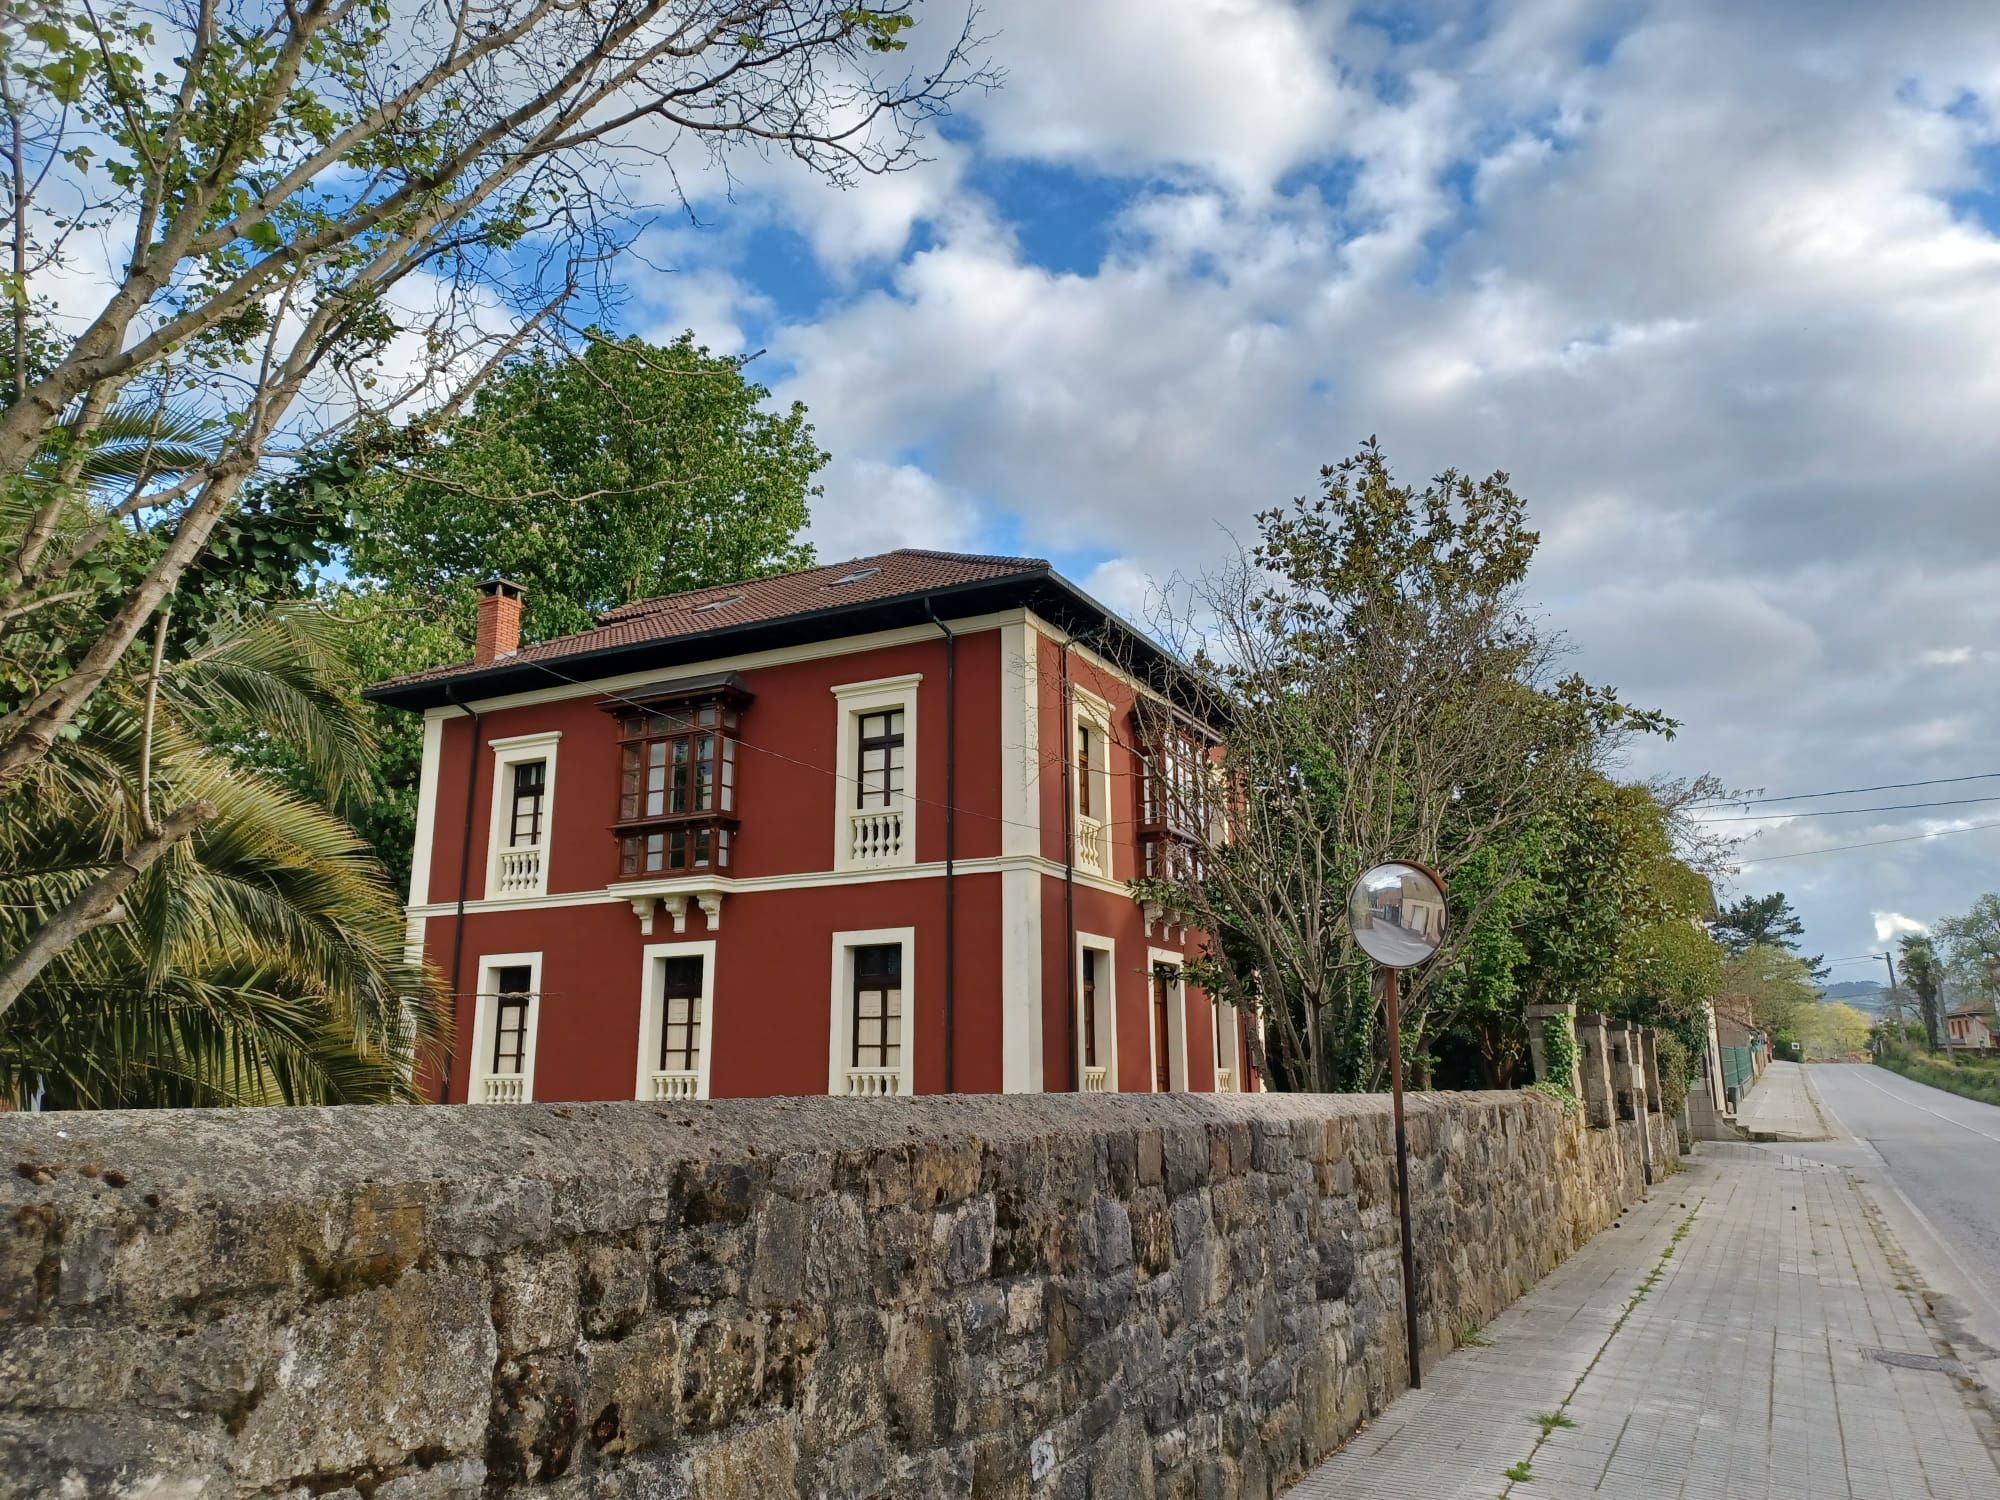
(486, 1014)
(851, 701)
(427, 790)
(840, 1043)
(1176, 1038)
(507, 754)
(1087, 710)
(652, 1012)
(1222, 1023)
(1107, 1006)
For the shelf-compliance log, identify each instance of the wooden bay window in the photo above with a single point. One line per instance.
(1174, 791)
(677, 780)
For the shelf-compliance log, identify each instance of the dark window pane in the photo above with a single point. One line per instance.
(510, 1018)
(881, 758)
(876, 1019)
(1089, 1007)
(525, 825)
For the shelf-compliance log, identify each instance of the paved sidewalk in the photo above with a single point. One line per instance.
(1780, 1352)
(1782, 1107)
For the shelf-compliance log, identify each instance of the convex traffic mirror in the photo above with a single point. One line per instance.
(1396, 912)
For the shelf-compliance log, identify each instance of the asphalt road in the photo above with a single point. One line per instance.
(1939, 1158)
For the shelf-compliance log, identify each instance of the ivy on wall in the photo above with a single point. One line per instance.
(1559, 1047)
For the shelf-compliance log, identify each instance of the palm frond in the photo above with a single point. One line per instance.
(129, 444)
(284, 674)
(264, 960)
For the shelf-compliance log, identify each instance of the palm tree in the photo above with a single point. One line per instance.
(1923, 971)
(261, 960)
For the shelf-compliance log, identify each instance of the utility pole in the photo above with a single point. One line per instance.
(1894, 997)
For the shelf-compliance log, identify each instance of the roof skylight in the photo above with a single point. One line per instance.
(855, 577)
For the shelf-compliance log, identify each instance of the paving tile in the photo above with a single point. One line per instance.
(1745, 1374)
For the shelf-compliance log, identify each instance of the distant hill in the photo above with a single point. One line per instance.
(1862, 994)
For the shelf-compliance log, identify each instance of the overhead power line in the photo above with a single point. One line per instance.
(1908, 838)
(1846, 791)
(1841, 812)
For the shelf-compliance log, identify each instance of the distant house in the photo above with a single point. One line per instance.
(1972, 1027)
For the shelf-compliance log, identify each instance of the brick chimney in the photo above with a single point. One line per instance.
(499, 630)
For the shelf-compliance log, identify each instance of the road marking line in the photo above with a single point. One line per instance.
(1887, 1178)
(1906, 1099)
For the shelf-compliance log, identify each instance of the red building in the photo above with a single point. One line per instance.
(864, 829)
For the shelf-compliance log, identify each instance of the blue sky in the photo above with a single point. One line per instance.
(1718, 284)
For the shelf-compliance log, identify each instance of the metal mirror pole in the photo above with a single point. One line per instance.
(1391, 997)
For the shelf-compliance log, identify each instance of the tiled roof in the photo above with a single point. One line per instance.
(862, 580)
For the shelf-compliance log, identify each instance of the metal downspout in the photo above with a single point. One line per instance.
(950, 839)
(464, 878)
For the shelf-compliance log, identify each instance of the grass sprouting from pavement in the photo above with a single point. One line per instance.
(1550, 1421)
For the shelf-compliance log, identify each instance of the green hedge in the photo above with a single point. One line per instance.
(1973, 1079)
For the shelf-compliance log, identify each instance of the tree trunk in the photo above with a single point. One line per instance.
(98, 904)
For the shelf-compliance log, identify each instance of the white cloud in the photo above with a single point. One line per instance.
(1706, 301)
(874, 507)
(1890, 925)
(1239, 91)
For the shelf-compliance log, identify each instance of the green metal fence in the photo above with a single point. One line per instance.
(1736, 1069)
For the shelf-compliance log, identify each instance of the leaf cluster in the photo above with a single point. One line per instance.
(262, 960)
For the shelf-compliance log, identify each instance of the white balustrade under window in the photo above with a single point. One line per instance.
(520, 871)
(875, 836)
(874, 1083)
(1097, 1080)
(503, 1088)
(676, 1084)
(1093, 850)
(1225, 1080)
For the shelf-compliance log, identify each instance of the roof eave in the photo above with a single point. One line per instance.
(1044, 590)
(504, 678)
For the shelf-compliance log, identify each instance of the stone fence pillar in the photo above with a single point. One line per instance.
(1593, 1062)
(1635, 1103)
(1649, 1058)
(1628, 1088)
(1540, 1018)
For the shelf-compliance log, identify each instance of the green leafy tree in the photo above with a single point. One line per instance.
(1605, 918)
(1971, 948)
(1769, 988)
(1390, 699)
(1832, 1030)
(626, 472)
(1769, 920)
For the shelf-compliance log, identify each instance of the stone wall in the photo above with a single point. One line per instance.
(1078, 1297)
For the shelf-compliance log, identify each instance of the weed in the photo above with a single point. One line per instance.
(1521, 1472)
(1550, 1421)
